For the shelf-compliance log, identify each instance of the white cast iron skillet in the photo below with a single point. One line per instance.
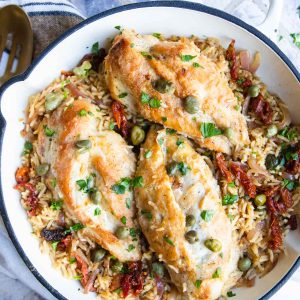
(167, 17)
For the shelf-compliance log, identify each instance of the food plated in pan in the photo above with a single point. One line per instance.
(161, 167)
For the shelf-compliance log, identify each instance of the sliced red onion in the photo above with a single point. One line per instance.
(245, 59)
(89, 285)
(246, 105)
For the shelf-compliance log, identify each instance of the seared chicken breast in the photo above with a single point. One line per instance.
(181, 215)
(172, 83)
(89, 165)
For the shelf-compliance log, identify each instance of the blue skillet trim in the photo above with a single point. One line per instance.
(22, 77)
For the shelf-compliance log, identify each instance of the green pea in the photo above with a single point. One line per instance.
(244, 264)
(272, 130)
(137, 135)
(158, 269)
(190, 220)
(122, 232)
(172, 168)
(191, 236)
(271, 161)
(213, 245)
(53, 100)
(117, 267)
(253, 91)
(98, 254)
(95, 196)
(260, 200)
(162, 85)
(191, 105)
(83, 144)
(229, 133)
(42, 169)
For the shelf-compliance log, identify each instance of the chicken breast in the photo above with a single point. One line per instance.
(92, 176)
(172, 83)
(181, 215)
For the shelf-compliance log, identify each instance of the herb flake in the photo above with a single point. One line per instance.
(209, 129)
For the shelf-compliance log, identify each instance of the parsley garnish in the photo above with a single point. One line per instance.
(122, 186)
(296, 39)
(217, 273)
(53, 182)
(171, 131)
(183, 168)
(230, 294)
(54, 245)
(112, 125)
(231, 184)
(56, 205)
(179, 142)
(123, 220)
(148, 154)
(209, 129)
(82, 113)
(197, 283)
(27, 147)
(167, 240)
(73, 228)
(147, 214)
(118, 27)
(288, 133)
(207, 215)
(130, 248)
(160, 141)
(77, 277)
(196, 65)
(154, 103)
(132, 45)
(138, 181)
(72, 260)
(48, 131)
(288, 184)
(229, 199)
(164, 119)
(97, 211)
(128, 203)
(146, 54)
(132, 232)
(123, 95)
(95, 48)
(85, 185)
(145, 98)
(157, 35)
(187, 57)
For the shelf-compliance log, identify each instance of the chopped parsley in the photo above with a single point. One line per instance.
(123, 220)
(118, 27)
(154, 103)
(160, 141)
(146, 54)
(132, 232)
(240, 81)
(288, 133)
(75, 227)
(147, 214)
(72, 260)
(207, 215)
(280, 37)
(27, 147)
(231, 184)
(196, 65)
(56, 205)
(54, 245)
(209, 129)
(187, 57)
(86, 186)
(123, 185)
(48, 131)
(148, 154)
(82, 113)
(112, 125)
(197, 283)
(138, 181)
(97, 211)
(53, 182)
(164, 119)
(179, 142)
(132, 45)
(156, 34)
(229, 199)
(288, 184)
(118, 290)
(128, 203)
(296, 39)
(171, 131)
(122, 95)
(217, 273)
(130, 248)
(77, 277)
(230, 294)
(167, 240)
(145, 98)
(95, 48)
(183, 168)
(230, 217)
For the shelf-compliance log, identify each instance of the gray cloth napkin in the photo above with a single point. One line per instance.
(49, 20)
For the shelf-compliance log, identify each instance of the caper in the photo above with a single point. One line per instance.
(191, 236)
(137, 135)
(95, 196)
(191, 104)
(253, 91)
(228, 132)
(213, 245)
(158, 269)
(83, 144)
(271, 161)
(244, 264)
(172, 168)
(260, 200)
(122, 232)
(53, 100)
(162, 85)
(97, 254)
(42, 169)
(190, 220)
(117, 267)
(272, 130)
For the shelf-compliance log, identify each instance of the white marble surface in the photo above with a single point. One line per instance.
(16, 282)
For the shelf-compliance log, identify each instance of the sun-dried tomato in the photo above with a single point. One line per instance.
(64, 244)
(293, 222)
(262, 109)
(32, 201)
(275, 238)
(282, 204)
(292, 166)
(22, 175)
(286, 197)
(82, 266)
(118, 112)
(222, 165)
(67, 73)
(244, 179)
(246, 83)
(231, 57)
(272, 191)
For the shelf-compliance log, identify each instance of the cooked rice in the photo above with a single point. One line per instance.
(245, 217)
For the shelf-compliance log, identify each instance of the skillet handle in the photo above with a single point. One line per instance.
(271, 22)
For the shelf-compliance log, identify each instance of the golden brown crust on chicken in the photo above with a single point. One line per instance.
(134, 62)
(106, 162)
(177, 183)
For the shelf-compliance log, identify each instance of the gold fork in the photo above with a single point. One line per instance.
(17, 37)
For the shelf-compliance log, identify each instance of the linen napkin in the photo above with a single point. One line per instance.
(50, 18)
